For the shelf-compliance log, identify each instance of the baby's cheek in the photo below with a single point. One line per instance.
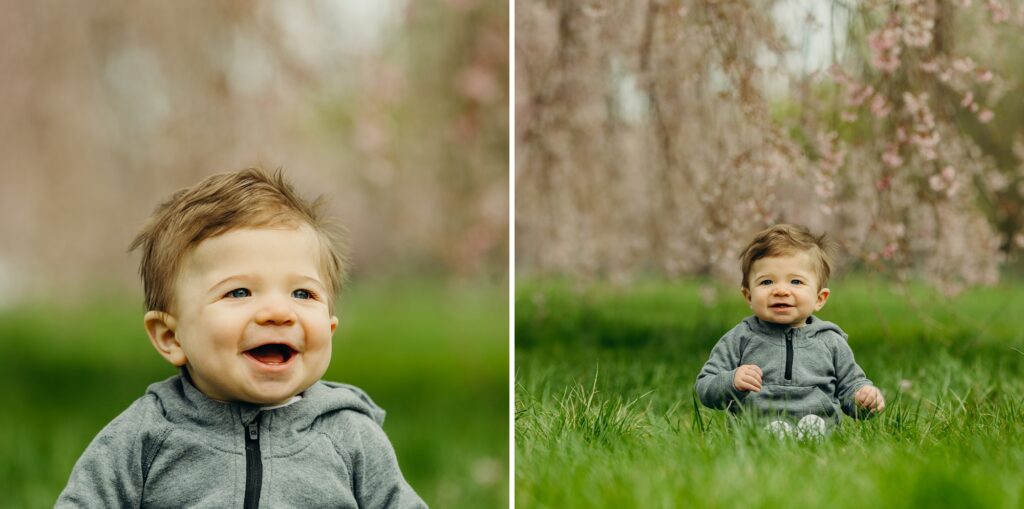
(321, 353)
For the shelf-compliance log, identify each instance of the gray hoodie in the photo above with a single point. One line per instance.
(174, 447)
(805, 370)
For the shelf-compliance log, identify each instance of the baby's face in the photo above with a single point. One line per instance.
(784, 289)
(252, 315)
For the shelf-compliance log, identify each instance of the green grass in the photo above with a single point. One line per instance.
(606, 415)
(434, 355)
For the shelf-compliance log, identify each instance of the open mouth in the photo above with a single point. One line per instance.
(274, 353)
(780, 306)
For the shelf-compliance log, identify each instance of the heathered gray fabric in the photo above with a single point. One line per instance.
(174, 447)
(824, 373)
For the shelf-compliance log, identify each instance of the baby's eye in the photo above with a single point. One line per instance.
(303, 294)
(796, 282)
(239, 293)
(765, 282)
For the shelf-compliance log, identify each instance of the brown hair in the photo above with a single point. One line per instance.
(250, 198)
(788, 239)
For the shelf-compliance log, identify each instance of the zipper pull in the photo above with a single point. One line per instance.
(254, 431)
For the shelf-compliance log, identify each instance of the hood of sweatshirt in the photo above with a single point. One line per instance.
(776, 333)
(184, 405)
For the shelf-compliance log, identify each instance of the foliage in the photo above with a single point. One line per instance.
(659, 136)
(425, 124)
(395, 111)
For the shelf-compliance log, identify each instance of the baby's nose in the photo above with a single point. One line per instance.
(275, 312)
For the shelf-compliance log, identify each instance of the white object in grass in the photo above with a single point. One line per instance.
(781, 429)
(810, 426)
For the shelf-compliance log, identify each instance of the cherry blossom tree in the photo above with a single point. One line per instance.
(659, 136)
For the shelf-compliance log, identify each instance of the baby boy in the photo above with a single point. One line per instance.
(784, 362)
(240, 276)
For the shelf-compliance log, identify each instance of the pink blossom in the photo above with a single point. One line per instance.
(918, 23)
(930, 66)
(832, 155)
(944, 182)
(985, 116)
(890, 251)
(885, 47)
(964, 65)
(928, 153)
(880, 108)
(968, 99)
(915, 103)
(984, 75)
(848, 116)
(911, 102)
(1000, 12)
(883, 39)
(891, 156)
(856, 94)
(953, 188)
(883, 183)
(926, 139)
(840, 77)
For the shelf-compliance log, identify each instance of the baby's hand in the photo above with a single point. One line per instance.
(871, 398)
(747, 378)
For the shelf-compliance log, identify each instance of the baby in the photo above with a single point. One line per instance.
(783, 362)
(240, 275)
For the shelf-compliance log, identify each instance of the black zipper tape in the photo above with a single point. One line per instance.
(789, 355)
(253, 465)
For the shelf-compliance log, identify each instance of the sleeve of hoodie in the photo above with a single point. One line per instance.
(714, 383)
(849, 378)
(110, 472)
(377, 480)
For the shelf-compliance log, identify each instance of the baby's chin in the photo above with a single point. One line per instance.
(271, 399)
(274, 396)
(779, 321)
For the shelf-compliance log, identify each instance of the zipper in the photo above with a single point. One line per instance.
(253, 464)
(789, 354)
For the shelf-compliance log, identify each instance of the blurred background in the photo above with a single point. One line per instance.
(396, 112)
(658, 137)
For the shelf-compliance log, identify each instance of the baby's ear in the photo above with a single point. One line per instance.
(161, 326)
(334, 323)
(822, 298)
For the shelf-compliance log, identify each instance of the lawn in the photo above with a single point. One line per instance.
(434, 355)
(606, 415)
